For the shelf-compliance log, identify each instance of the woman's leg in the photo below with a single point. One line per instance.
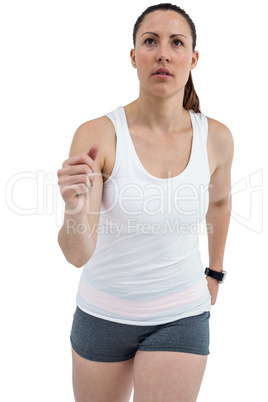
(167, 376)
(101, 382)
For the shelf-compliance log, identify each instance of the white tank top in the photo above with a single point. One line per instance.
(146, 268)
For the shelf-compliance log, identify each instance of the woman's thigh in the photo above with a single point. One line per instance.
(171, 361)
(101, 382)
(167, 376)
(103, 357)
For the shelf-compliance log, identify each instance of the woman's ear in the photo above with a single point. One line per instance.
(133, 58)
(195, 59)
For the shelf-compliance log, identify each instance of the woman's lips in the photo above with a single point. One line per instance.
(162, 76)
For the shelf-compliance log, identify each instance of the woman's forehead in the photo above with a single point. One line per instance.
(165, 24)
(163, 21)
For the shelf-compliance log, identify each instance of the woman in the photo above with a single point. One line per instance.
(158, 167)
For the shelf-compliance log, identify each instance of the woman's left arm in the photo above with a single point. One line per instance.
(220, 202)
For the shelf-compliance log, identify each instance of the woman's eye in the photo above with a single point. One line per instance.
(177, 41)
(149, 39)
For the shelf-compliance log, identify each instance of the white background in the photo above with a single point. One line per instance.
(66, 62)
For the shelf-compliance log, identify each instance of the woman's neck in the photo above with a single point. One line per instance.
(161, 116)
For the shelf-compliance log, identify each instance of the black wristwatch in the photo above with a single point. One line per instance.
(220, 276)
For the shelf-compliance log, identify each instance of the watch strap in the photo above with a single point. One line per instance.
(214, 274)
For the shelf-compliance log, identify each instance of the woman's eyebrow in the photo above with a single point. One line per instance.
(171, 36)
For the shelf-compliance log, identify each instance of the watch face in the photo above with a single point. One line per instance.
(224, 276)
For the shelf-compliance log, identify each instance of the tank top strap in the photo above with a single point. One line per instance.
(201, 123)
(122, 160)
(201, 158)
(125, 156)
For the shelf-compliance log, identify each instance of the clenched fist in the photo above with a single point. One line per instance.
(76, 178)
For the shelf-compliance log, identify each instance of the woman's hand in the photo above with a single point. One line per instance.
(76, 178)
(213, 287)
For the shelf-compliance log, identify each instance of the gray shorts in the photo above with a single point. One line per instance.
(106, 341)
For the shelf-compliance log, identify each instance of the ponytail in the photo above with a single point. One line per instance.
(190, 99)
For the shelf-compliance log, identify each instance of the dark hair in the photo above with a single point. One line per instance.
(190, 99)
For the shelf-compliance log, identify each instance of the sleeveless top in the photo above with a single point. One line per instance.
(146, 268)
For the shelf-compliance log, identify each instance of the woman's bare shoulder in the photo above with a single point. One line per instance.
(100, 128)
(99, 131)
(220, 140)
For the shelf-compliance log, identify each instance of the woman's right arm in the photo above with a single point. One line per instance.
(78, 235)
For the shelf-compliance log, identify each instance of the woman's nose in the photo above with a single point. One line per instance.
(163, 55)
(161, 58)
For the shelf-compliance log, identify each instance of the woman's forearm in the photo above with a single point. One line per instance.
(217, 220)
(76, 239)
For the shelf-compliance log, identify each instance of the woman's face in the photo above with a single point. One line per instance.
(157, 49)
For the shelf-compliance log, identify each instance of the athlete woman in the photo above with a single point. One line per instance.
(137, 183)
